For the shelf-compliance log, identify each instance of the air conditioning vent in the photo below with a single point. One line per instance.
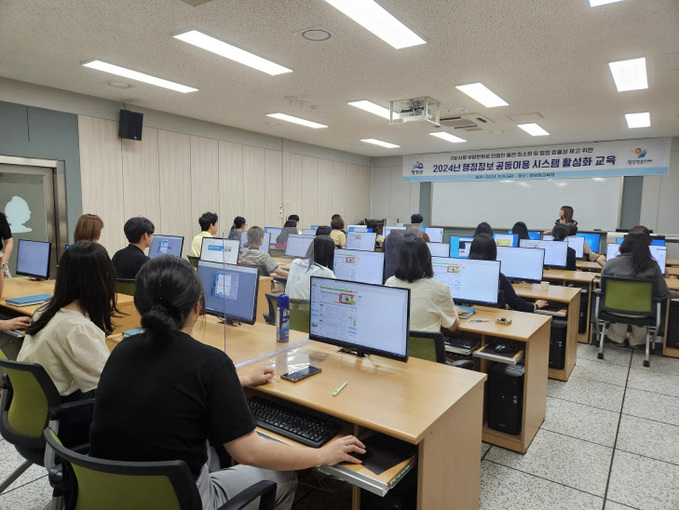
(467, 122)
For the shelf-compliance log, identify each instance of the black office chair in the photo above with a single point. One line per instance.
(272, 301)
(125, 286)
(193, 260)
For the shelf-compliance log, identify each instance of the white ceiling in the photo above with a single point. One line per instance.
(540, 56)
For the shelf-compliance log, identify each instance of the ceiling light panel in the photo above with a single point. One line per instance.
(226, 50)
(381, 143)
(448, 137)
(373, 108)
(629, 74)
(296, 120)
(135, 75)
(479, 92)
(638, 120)
(597, 3)
(533, 129)
(377, 20)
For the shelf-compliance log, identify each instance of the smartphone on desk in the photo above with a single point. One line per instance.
(300, 374)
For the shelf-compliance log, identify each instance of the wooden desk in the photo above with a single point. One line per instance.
(582, 279)
(672, 271)
(533, 331)
(672, 262)
(585, 265)
(570, 296)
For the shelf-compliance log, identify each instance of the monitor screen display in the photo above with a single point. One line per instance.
(230, 290)
(215, 249)
(506, 239)
(521, 263)
(364, 241)
(654, 241)
(659, 253)
(460, 246)
(358, 228)
(273, 232)
(439, 249)
(555, 251)
(166, 245)
(578, 244)
(470, 281)
(386, 230)
(532, 234)
(308, 231)
(592, 240)
(359, 266)
(33, 258)
(262, 247)
(344, 313)
(314, 227)
(297, 245)
(435, 234)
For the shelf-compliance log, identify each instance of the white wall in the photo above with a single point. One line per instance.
(660, 198)
(391, 197)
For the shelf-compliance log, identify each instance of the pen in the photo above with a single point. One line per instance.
(334, 393)
(478, 320)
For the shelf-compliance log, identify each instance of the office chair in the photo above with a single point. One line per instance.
(427, 345)
(88, 482)
(272, 300)
(299, 314)
(29, 402)
(193, 260)
(125, 286)
(627, 301)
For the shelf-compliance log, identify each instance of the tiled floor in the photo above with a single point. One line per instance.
(610, 441)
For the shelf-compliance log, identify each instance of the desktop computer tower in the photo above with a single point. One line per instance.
(504, 398)
(584, 298)
(557, 344)
(402, 497)
(672, 333)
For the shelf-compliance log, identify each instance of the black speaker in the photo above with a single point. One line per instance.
(584, 301)
(504, 398)
(130, 125)
(557, 344)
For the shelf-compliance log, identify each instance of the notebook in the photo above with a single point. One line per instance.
(29, 300)
(468, 311)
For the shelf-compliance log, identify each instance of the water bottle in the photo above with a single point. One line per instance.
(283, 318)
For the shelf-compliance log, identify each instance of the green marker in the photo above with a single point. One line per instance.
(334, 393)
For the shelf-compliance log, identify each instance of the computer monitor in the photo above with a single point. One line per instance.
(298, 245)
(435, 234)
(314, 227)
(593, 240)
(359, 266)
(386, 230)
(659, 253)
(266, 241)
(230, 290)
(166, 245)
(555, 251)
(532, 234)
(470, 280)
(358, 228)
(346, 314)
(460, 246)
(506, 239)
(273, 232)
(655, 240)
(364, 241)
(521, 263)
(308, 231)
(215, 249)
(33, 258)
(578, 244)
(439, 249)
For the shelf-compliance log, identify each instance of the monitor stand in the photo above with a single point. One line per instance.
(230, 322)
(355, 352)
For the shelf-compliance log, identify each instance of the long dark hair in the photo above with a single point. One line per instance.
(567, 213)
(85, 273)
(483, 228)
(636, 243)
(414, 260)
(166, 290)
(483, 248)
(290, 227)
(321, 251)
(560, 232)
(238, 222)
(521, 229)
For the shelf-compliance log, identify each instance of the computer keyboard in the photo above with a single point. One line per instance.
(291, 423)
(460, 345)
(553, 310)
(11, 332)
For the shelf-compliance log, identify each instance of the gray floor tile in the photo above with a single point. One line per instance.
(561, 459)
(659, 382)
(649, 438)
(484, 448)
(33, 496)
(583, 391)
(658, 363)
(11, 460)
(643, 483)
(652, 406)
(508, 489)
(613, 355)
(595, 370)
(611, 505)
(581, 421)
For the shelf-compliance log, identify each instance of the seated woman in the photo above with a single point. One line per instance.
(483, 228)
(521, 229)
(187, 399)
(337, 233)
(290, 227)
(635, 261)
(318, 262)
(255, 257)
(484, 248)
(560, 233)
(17, 322)
(88, 228)
(431, 304)
(67, 335)
(239, 226)
(586, 250)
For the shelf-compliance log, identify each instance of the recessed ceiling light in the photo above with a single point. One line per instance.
(533, 129)
(135, 75)
(226, 50)
(479, 92)
(448, 137)
(597, 3)
(381, 143)
(373, 108)
(629, 74)
(377, 20)
(638, 120)
(119, 84)
(296, 120)
(316, 35)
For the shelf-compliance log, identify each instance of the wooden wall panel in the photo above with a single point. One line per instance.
(141, 181)
(293, 200)
(231, 198)
(174, 160)
(204, 179)
(273, 189)
(101, 175)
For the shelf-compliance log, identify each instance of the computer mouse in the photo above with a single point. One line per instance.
(363, 456)
(502, 348)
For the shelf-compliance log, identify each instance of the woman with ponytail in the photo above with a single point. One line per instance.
(239, 226)
(165, 396)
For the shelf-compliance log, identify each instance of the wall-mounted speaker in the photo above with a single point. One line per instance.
(130, 125)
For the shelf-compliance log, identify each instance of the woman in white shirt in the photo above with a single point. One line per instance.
(67, 335)
(431, 303)
(318, 262)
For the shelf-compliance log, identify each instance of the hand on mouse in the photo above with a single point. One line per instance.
(541, 303)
